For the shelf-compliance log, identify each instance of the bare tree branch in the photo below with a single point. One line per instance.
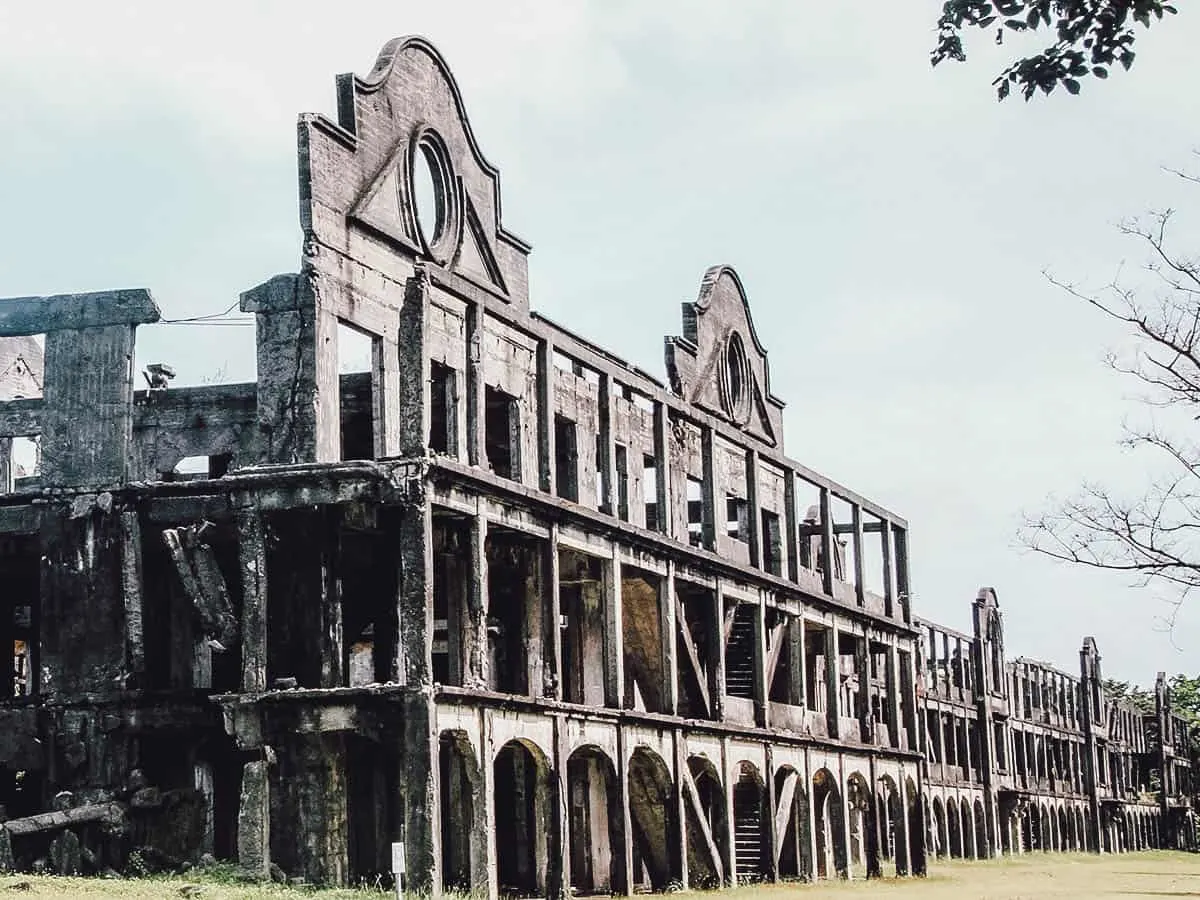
(1154, 537)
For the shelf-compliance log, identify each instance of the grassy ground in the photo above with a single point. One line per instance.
(1153, 874)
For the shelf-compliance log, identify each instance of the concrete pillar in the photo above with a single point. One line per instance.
(254, 820)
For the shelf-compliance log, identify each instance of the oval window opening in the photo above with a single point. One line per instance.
(427, 194)
(736, 368)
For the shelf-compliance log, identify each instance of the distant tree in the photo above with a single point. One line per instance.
(1089, 37)
(1152, 536)
(1185, 697)
(1142, 701)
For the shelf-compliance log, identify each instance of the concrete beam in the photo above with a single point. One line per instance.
(61, 312)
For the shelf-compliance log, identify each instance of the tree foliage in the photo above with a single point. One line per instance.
(1185, 697)
(1089, 37)
(1141, 700)
(1152, 536)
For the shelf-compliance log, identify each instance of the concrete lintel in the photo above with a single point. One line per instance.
(277, 294)
(62, 312)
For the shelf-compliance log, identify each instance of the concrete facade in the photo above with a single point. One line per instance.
(547, 621)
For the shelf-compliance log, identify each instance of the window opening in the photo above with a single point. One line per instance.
(501, 433)
(443, 416)
(566, 459)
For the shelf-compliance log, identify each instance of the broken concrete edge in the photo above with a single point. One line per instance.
(112, 814)
(22, 316)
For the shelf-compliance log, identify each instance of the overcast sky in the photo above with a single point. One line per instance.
(890, 222)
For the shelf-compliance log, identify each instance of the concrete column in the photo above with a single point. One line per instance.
(475, 638)
(252, 560)
(679, 746)
(627, 824)
(254, 820)
(614, 679)
(667, 605)
(790, 524)
(718, 659)
(772, 807)
(415, 596)
(857, 544)
(762, 678)
(827, 542)
(606, 465)
(708, 489)
(889, 588)
(662, 474)
(832, 678)
(476, 387)
(754, 510)
(545, 416)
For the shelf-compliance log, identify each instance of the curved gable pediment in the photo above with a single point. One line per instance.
(401, 127)
(719, 363)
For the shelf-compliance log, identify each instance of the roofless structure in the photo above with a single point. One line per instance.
(549, 622)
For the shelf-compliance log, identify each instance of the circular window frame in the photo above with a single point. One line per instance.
(427, 148)
(735, 379)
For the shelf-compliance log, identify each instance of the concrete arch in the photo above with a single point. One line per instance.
(524, 792)
(595, 823)
(954, 828)
(968, 829)
(793, 829)
(981, 839)
(829, 826)
(887, 805)
(915, 810)
(941, 836)
(706, 823)
(751, 821)
(463, 813)
(655, 825)
(863, 852)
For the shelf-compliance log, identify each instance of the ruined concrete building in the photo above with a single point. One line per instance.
(548, 622)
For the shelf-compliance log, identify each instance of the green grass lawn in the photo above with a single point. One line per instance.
(1151, 874)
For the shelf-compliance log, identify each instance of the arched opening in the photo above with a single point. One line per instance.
(829, 823)
(954, 824)
(1064, 833)
(655, 830)
(941, 839)
(860, 812)
(1010, 829)
(524, 800)
(707, 825)
(968, 829)
(1081, 838)
(891, 820)
(595, 824)
(1090, 831)
(914, 804)
(981, 841)
(1046, 815)
(464, 858)
(750, 823)
(792, 824)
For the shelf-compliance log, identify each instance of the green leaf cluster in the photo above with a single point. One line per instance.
(1089, 37)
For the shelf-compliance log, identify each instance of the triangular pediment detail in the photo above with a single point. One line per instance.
(380, 206)
(475, 258)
